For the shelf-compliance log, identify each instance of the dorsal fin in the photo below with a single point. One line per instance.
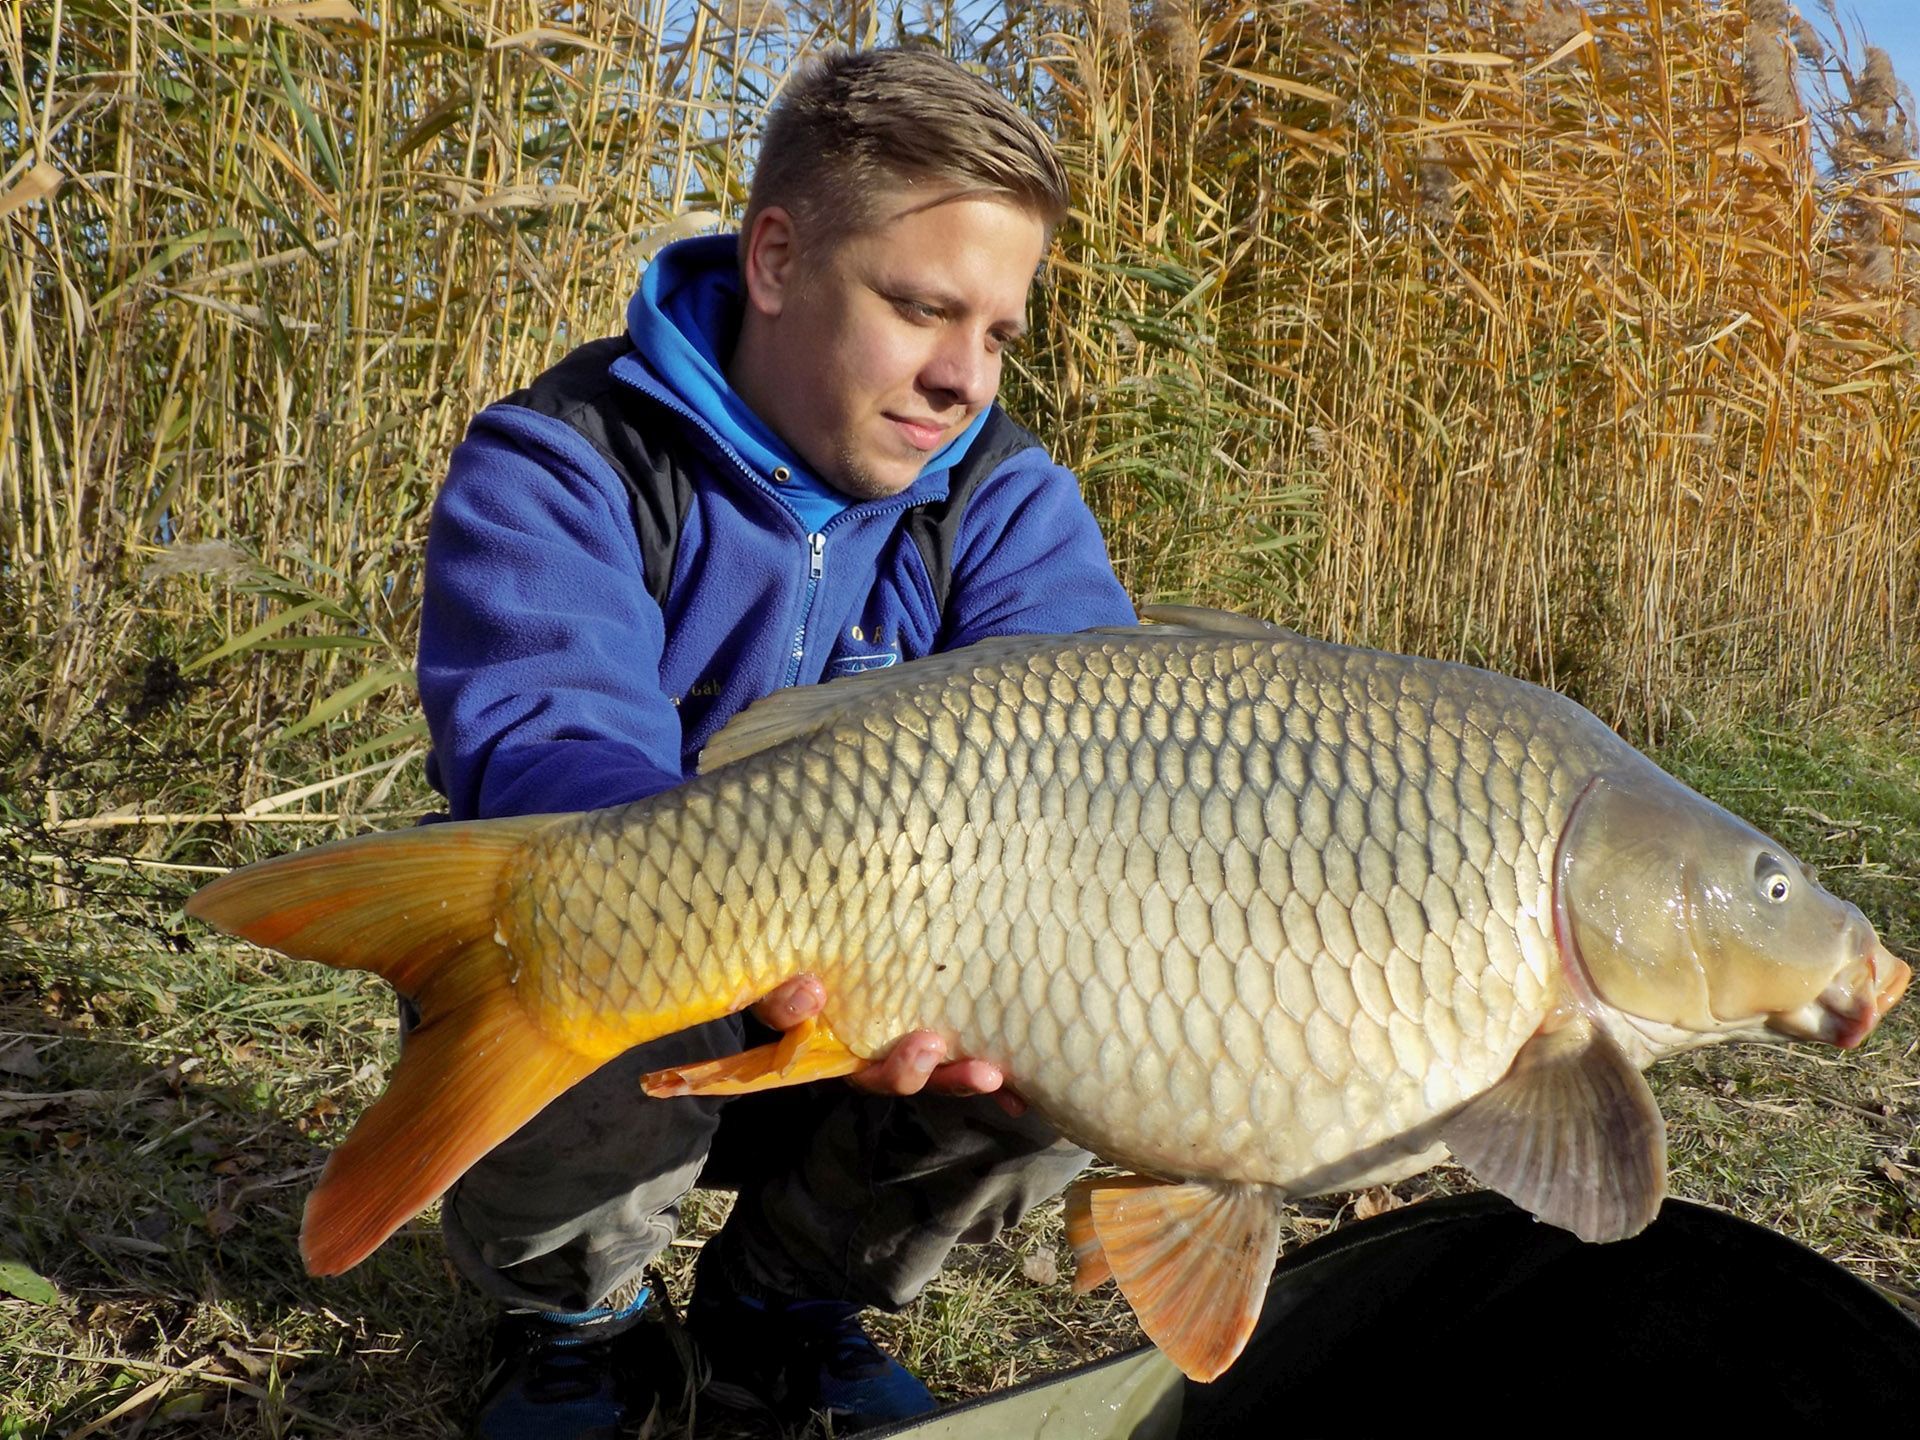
(1200, 620)
(808, 709)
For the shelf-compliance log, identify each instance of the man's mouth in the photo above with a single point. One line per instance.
(924, 435)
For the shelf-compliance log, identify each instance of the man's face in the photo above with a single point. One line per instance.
(879, 350)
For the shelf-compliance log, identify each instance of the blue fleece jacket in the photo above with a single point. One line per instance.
(551, 679)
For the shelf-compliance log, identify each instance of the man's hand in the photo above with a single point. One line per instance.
(917, 1062)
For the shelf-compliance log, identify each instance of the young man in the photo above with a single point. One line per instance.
(790, 468)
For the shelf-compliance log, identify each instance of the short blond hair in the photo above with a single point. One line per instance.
(851, 126)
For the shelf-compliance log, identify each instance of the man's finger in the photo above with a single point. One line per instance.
(906, 1068)
(790, 1002)
(966, 1077)
(918, 1062)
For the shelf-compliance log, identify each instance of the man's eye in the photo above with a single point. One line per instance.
(915, 310)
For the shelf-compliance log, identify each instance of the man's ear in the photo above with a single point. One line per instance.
(772, 260)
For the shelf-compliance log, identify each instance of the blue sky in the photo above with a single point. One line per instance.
(1893, 25)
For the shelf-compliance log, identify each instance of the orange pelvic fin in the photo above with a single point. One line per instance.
(809, 1051)
(1571, 1133)
(1090, 1267)
(1193, 1260)
(417, 907)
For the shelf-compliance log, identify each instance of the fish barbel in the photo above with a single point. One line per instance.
(1249, 914)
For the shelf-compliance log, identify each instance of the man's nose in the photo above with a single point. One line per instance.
(962, 368)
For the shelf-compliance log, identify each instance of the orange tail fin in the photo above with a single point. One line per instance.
(417, 907)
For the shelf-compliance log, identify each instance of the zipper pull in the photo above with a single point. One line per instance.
(816, 555)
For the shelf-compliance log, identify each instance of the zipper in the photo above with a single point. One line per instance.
(816, 541)
(816, 567)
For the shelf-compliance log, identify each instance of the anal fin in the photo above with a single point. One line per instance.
(1571, 1133)
(809, 1051)
(1193, 1260)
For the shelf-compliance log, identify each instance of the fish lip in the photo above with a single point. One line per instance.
(1898, 973)
(1847, 1011)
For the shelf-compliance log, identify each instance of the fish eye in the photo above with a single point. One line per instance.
(1770, 876)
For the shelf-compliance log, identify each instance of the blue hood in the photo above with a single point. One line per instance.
(684, 320)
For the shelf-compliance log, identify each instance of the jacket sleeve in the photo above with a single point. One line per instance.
(540, 645)
(1029, 559)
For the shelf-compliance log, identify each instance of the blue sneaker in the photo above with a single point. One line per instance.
(565, 1377)
(796, 1358)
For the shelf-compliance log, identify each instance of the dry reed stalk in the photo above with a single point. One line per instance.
(1767, 61)
(1610, 426)
(1177, 47)
(1649, 285)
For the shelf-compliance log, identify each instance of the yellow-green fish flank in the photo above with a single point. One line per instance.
(1239, 910)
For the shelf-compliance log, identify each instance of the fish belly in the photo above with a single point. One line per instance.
(1232, 908)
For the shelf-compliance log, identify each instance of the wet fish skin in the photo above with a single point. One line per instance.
(1255, 908)
(1233, 907)
(1158, 878)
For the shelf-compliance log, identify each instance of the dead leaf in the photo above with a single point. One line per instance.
(1376, 1201)
(22, 1102)
(1040, 1267)
(38, 183)
(251, 1363)
(18, 1057)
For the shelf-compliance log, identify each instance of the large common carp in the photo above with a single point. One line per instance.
(1252, 915)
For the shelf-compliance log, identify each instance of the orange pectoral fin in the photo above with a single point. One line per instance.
(1193, 1261)
(809, 1051)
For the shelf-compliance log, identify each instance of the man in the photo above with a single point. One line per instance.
(789, 469)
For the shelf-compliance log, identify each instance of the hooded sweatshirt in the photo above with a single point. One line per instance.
(557, 674)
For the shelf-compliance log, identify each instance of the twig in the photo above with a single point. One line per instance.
(154, 1144)
(126, 862)
(175, 1372)
(223, 817)
(272, 803)
(153, 1389)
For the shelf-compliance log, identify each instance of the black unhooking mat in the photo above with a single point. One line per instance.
(1467, 1311)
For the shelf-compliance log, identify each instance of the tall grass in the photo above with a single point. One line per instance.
(1576, 341)
(1539, 333)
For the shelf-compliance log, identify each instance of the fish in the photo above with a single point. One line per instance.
(1251, 916)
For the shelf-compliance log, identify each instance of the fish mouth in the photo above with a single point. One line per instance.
(1845, 1013)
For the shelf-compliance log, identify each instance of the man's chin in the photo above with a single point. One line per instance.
(872, 482)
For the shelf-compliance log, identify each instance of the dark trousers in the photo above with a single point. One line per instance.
(842, 1195)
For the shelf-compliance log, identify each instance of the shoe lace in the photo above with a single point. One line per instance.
(564, 1369)
(567, 1358)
